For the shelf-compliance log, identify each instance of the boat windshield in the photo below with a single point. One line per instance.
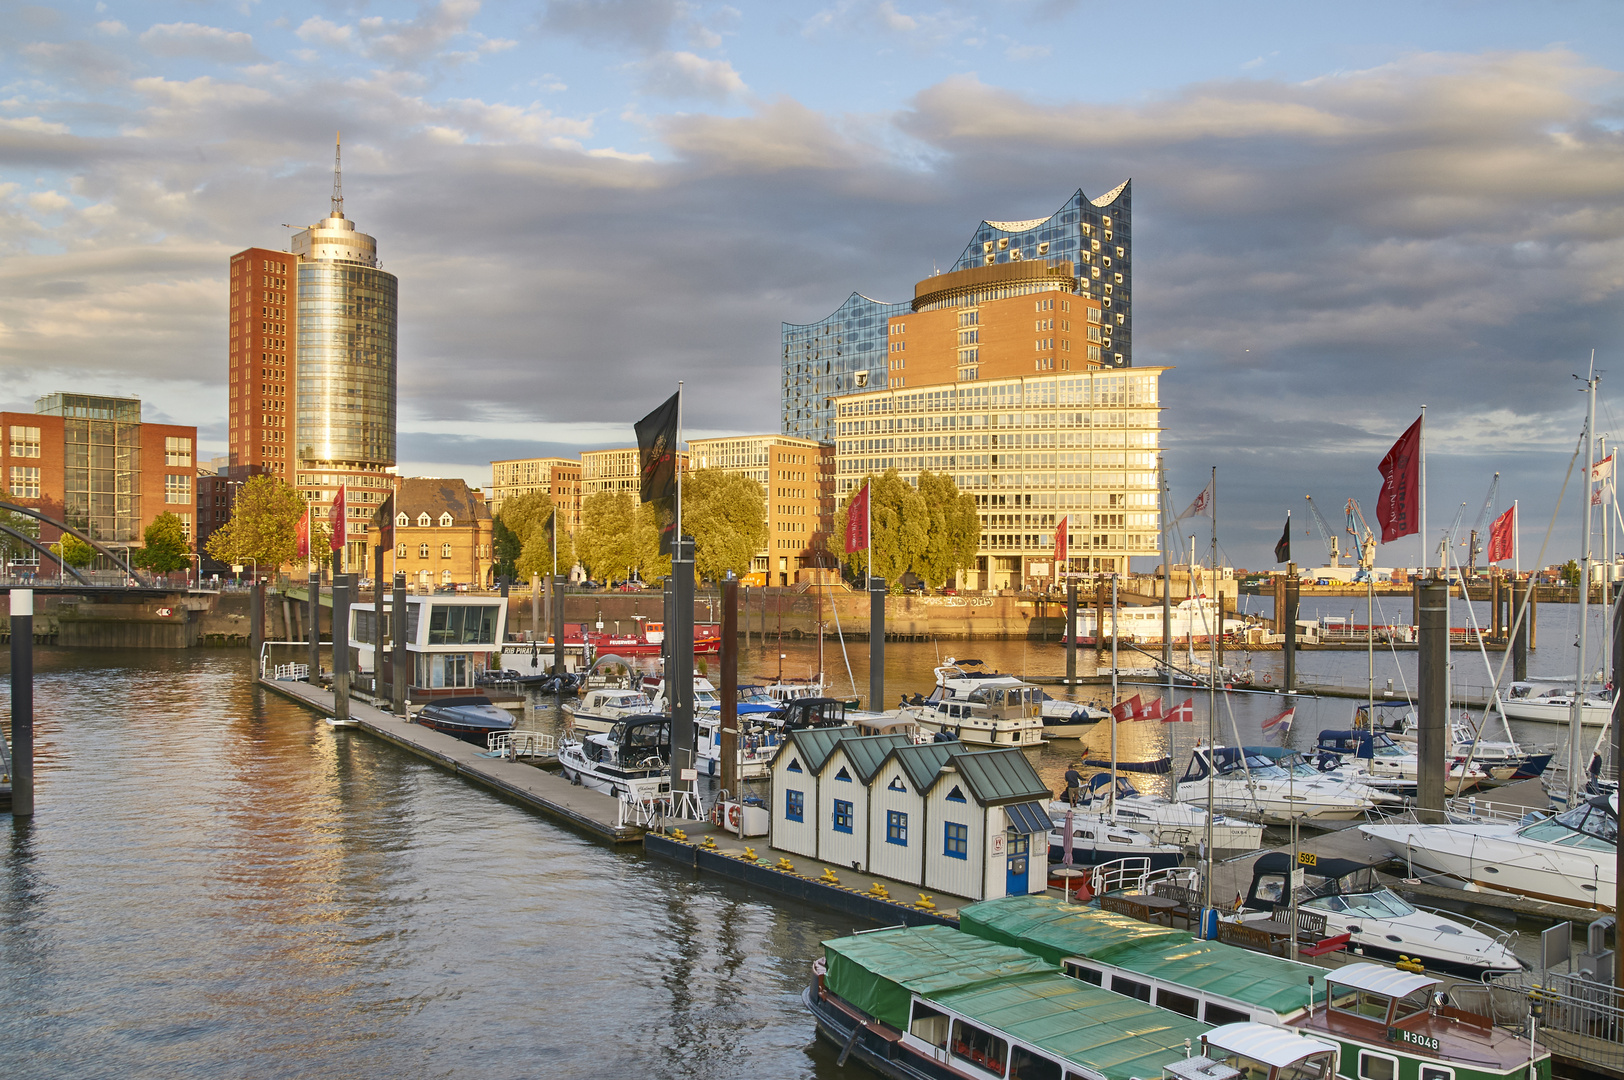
(1588, 826)
(1298, 767)
(1380, 904)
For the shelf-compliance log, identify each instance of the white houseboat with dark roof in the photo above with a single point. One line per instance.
(450, 641)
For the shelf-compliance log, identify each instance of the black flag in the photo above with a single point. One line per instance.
(385, 520)
(657, 451)
(1282, 550)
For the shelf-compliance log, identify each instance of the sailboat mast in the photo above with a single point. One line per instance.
(1576, 710)
(1214, 630)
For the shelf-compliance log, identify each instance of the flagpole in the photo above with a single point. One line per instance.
(1516, 541)
(868, 531)
(1423, 491)
(1167, 578)
(676, 453)
(1214, 631)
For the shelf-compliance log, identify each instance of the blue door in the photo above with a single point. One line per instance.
(1015, 873)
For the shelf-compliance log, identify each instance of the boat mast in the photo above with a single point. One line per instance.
(1214, 630)
(1576, 710)
(1167, 585)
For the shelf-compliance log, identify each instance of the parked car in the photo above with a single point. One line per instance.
(955, 592)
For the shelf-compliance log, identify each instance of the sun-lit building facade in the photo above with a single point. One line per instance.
(797, 482)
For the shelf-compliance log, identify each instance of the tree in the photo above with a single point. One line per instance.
(537, 556)
(643, 549)
(604, 544)
(505, 550)
(164, 547)
(955, 530)
(726, 515)
(1570, 573)
(11, 548)
(516, 524)
(73, 551)
(901, 522)
(263, 526)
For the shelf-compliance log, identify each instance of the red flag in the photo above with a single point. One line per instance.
(336, 521)
(857, 523)
(1184, 713)
(1152, 713)
(1398, 504)
(1060, 539)
(1503, 536)
(301, 535)
(1127, 709)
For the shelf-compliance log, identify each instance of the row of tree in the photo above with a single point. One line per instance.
(931, 530)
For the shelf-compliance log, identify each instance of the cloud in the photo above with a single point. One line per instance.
(194, 39)
(609, 24)
(919, 30)
(320, 31)
(684, 75)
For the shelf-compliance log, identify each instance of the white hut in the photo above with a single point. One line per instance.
(897, 810)
(844, 796)
(795, 771)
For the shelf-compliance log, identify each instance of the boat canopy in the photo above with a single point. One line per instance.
(1057, 930)
(1380, 980)
(1325, 878)
(1361, 744)
(1595, 822)
(1275, 1047)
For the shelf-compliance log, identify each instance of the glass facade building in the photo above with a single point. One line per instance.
(101, 459)
(847, 351)
(344, 387)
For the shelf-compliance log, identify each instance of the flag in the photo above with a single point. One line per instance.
(1184, 713)
(336, 520)
(1599, 495)
(301, 535)
(1127, 709)
(1279, 724)
(1201, 507)
(857, 522)
(1602, 470)
(385, 520)
(1060, 539)
(1282, 548)
(1398, 503)
(1152, 713)
(1503, 536)
(657, 451)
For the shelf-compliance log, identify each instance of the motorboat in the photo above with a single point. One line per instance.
(1569, 858)
(980, 708)
(706, 699)
(1096, 840)
(1165, 821)
(637, 748)
(1251, 785)
(1068, 719)
(1554, 705)
(1387, 792)
(471, 719)
(1502, 760)
(1397, 769)
(601, 710)
(760, 734)
(1379, 923)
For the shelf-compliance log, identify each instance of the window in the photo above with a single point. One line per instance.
(445, 521)
(1377, 1066)
(177, 489)
(896, 828)
(1219, 1015)
(25, 482)
(1085, 974)
(24, 441)
(843, 815)
(402, 520)
(445, 551)
(896, 784)
(1130, 988)
(794, 805)
(843, 775)
(980, 1048)
(1026, 1065)
(422, 551)
(177, 451)
(1179, 1003)
(794, 765)
(955, 795)
(929, 1025)
(445, 577)
(424, 521)
(400, 553)
(956, 844)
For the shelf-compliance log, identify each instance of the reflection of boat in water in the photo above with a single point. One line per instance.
(1378, 922)
(1525, 701)
(471, 719)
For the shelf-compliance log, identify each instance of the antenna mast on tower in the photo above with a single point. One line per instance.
(338, 176)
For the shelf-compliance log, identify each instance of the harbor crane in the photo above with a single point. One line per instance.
(1364, 540)
(1325, 532)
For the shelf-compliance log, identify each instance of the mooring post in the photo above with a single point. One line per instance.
(876, 644)
(22, 702)
(313, 624)
(256, 626)
(556, 581)
(1432, 741)
(1071, 632)
(679, 669)
(397, 638)
(341, 645)
(1519, 636)
(730, 777)
(1293, 586)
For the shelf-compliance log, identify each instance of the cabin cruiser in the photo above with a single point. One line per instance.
(1253, 785)
(1388, 766)
(471, 719)
(637, 748)
(1163, 820)
(1378, 922)
(1502, 760)
(1524, 701)
(1570, 858)
(1096, 840)
(760, 733)
(1068, 719)
(980, 708)
(706, 698)
(600, 710)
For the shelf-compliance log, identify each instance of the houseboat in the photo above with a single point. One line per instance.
(451, 641)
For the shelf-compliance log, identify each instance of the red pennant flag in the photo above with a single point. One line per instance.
(1399, 503)
(1127, 709)
(336, 521)
(1060, 540)
(301, 536)
(857, 523)
(1152, 713)
(1184, 713)
(1503, 536)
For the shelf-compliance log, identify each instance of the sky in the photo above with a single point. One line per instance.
(1342, 212)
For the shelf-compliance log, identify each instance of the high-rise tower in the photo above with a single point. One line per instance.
(313, 380)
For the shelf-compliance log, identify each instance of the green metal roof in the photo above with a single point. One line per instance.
(879, 971)
(1055, 930)
(867, 752)
(996, 777)
(923, 761)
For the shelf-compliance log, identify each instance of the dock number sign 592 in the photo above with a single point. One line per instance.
(1414, 1038)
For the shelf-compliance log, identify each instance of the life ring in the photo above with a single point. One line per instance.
(733, 815)
(1268, 678)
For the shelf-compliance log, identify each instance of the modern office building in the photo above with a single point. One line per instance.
(1083, 250)
(312, 365)
(92, 462)
(613, 470)
(797, 479)
(557, 478)
(1034, 450)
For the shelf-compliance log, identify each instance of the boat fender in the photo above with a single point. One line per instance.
(733, 815)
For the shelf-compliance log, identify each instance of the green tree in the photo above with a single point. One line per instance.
(263, 526)
(643, 554)
(901, 522)
(505, 550)
(537, 556)
(12, 548)
(605, 543)
(727, 517)
(74, 551)
(164, 547)
(955, 530)
(512, 532)
(1570, 573)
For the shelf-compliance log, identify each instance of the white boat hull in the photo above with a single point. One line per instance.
(1492, 856)
(1259, 802)
(1537, 712)
(1168, 822)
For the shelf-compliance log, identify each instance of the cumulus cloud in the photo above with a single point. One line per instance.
(194, 39)
(685, 75)
(638, 24)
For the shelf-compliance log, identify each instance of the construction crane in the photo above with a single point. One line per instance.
(1364, 540)
(1325, 533)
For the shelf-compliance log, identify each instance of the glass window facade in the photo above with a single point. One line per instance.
(345, 389)
(830, 357)
(101, 450)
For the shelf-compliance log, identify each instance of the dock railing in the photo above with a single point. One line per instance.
(1577, 1017)
(650, 805)
(517, 744)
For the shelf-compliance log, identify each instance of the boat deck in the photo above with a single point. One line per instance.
(1462, 1039)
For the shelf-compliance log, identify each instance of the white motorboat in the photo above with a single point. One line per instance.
(979, 708)
(1253, 786)
(1503, 760)
(601, 710)
(1378, 922)
(1525, 701)
(706, 698)
(1100, 840)
(1570, 858)
(637, 748)
(1389, 766)
(1163, 820)
(1064, 719)
(760, 734)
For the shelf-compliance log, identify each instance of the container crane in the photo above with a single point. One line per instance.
(1325, 532)
(1364, 540)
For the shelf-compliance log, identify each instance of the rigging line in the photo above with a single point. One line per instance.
(1477, 734)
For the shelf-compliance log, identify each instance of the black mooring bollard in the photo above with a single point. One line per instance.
(22, 702)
